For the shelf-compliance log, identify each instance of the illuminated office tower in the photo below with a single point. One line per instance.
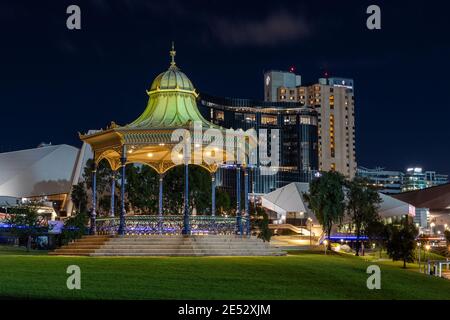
(333, 99)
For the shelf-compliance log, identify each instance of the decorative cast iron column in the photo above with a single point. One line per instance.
(213, 194)
(94, 200)
(160, 203)
(186, 228)
(123, 161)
(113, 191)
(246, 203)
(238, 200)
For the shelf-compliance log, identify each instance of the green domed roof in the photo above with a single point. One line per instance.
(172, 102)
(172, 79)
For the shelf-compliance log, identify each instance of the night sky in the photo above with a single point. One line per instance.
(56, 82)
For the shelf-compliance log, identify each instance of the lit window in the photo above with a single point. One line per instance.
(268, 119)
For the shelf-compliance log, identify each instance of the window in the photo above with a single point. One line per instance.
(250, 118)
(268, 119)
(219, 115)
(305, 120)
(290, 120)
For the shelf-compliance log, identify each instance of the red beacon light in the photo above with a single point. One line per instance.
(292, 69)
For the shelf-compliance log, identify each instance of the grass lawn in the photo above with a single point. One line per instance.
(299, 276)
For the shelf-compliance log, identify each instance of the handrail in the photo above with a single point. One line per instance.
(170, 224)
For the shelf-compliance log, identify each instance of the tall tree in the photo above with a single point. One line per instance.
(362, 207)
(223, 201)
(142, 187)
(377, 233)
(447, 236)
(103, 176)
(79, 197)
(326, 199)
(402, 241)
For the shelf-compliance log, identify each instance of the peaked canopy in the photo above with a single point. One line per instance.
(172, 105)
(172, 101)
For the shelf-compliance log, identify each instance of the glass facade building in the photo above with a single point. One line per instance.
(298, 135)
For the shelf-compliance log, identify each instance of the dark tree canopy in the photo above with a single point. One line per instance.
(326, 199)
(401, 242)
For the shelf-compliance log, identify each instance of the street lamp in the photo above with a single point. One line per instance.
(325, 242)
(427, 248)
(418, 245)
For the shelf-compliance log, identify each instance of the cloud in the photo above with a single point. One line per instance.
(276, 28)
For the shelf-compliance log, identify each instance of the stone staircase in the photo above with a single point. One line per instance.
(82, 247)
(175, 245)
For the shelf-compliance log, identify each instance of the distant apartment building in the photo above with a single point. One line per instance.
(386, 181)
(391, 182)
(333, 99)
(416, 179)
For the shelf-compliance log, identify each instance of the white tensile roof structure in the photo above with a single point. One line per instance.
(290, 199)
(287, 199)
(47, 170)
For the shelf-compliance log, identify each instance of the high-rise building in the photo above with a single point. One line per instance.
(297, 127)
(274, 80)
(333, 99)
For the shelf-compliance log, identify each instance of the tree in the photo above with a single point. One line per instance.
(142, 188)
(103, 175)
(79, 197)
(199, 189)
(362, 207)
(326, 199)
(402, 241)
(263, 223)
(25, 222)
(447, 236)
(75, 227)
(377, 233)
(223, 201)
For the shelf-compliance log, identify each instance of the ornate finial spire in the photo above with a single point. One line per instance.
(173, 54)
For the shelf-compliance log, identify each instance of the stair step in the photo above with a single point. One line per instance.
(164, 245)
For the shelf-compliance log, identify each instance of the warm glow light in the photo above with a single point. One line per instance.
(427, 247)
(149, 154)
(325, 242)
(162, 144)
(208, 154)
(180, 155)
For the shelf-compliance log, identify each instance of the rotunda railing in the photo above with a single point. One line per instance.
(169, 224)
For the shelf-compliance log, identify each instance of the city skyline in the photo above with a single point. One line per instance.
(41, 73)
